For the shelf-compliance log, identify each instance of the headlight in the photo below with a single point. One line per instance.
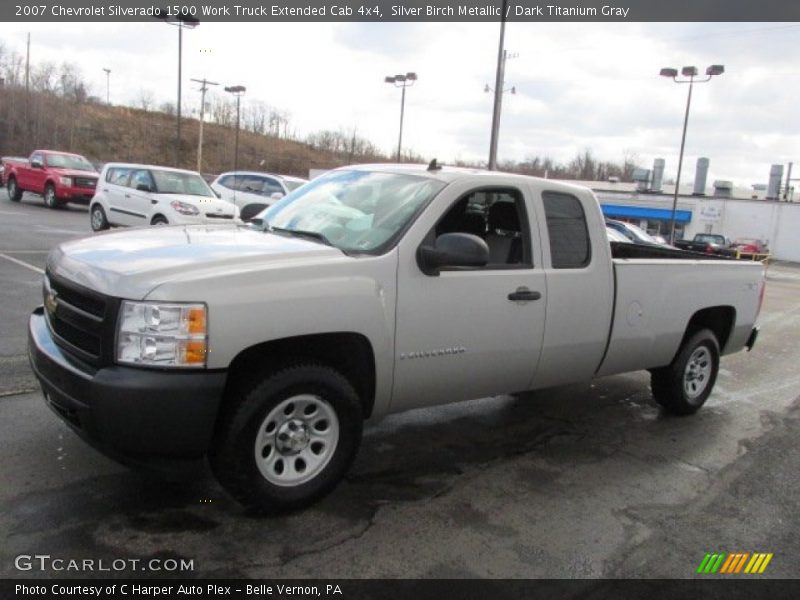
(184, 208)
(67, 181)
(162, 335)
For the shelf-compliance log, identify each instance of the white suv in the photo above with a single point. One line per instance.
(252, 191)
(131, 195)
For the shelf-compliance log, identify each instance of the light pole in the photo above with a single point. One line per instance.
(401, 81)
(108, 85)
(204, 83)
(691, 73)
(180, 21)
(238, 91)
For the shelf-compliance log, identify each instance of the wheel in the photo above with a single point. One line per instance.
(98, 218)
(159, 220)
(14, 193)
(683, 386)
(50, 200)
(287, 439)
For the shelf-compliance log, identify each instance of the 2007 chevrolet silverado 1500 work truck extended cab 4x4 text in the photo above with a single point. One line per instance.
(371, 290)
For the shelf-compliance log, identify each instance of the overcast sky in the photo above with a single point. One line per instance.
(578, 86)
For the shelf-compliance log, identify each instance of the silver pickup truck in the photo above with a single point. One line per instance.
(370, 290)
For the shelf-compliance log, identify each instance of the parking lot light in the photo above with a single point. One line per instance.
(690, 72)
(401, 81)
(181, 21)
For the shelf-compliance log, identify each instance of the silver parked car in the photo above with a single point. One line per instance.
(252, 191)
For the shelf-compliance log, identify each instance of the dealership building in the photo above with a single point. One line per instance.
(764, 212)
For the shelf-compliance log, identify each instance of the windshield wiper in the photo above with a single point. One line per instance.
(312, 235)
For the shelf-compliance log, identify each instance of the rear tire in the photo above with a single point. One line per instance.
(159, 220)
(50, 200)
(287, 439)
(14, 193)
(685, 385)
(98, 218)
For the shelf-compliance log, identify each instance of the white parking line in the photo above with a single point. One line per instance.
(22, 263)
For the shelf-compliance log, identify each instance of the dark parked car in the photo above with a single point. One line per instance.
(708, 243)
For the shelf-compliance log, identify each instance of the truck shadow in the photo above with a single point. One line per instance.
(414, 457)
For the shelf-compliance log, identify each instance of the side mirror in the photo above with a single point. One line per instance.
(143, 187)
(276, 195)
(37, 164)
(453, 250)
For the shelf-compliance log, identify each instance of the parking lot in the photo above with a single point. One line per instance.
(591, 480)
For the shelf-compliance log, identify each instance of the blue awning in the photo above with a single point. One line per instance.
(640, 212)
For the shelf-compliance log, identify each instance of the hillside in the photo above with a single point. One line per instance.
(119, 133)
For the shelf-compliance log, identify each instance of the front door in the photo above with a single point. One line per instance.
(470, 333)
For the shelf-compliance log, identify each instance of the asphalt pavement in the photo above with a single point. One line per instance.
(590, 480)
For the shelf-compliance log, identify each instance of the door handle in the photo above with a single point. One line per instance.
(523, 294)
(127, 195)
(105, 189)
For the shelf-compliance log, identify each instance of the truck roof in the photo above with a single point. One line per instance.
(449, 174)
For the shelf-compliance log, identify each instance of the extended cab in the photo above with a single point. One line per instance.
(370, 290)
(59, 177)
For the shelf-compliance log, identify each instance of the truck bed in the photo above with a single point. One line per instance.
(658, 290)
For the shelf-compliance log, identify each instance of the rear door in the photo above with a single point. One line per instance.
(469, 333)
(139, 199)
(115, 189)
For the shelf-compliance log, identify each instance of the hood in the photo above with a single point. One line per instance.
(205, 204)
(73, 172)
(131, 263)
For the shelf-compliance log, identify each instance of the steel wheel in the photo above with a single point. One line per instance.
(697, 373)
(296, 440)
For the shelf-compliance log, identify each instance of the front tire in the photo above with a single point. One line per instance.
(50, 199)
(98, 218)
(287, 439)
(14, 193)
(685, 385)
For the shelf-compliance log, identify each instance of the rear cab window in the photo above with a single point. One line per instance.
(570, 246)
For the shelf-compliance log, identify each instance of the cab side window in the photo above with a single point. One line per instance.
(496, 215)
(570, 247)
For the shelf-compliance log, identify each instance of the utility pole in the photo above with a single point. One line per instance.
(28, 66)
(108, 85)
(28, 94)
(498, 89)
(204, 83)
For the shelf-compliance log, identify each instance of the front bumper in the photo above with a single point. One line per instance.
(79, 195)
(138, 416)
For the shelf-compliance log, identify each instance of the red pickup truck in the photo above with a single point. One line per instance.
(59, 177)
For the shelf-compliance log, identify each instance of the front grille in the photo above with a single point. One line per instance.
(218, 216)
(81, 320)
(85, 182)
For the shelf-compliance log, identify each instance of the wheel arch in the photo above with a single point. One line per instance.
(349, 353)
(719, 319)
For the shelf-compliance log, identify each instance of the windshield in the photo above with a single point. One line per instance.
(175, 182)
(68, 161)
(292, 184)
(640, 234)
(354, 211)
